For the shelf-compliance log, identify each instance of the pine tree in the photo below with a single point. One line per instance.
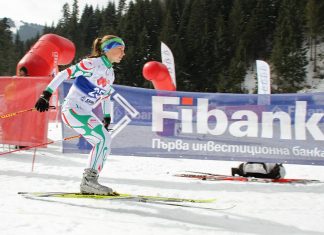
(73, 30)
(237, 67)
(153, 21)
(196, 44)
(20, 51)
(221, 56)
(109, 20)
(315, 27)
(289, 54)
(64, 21)
(128, 72)
(88, 29)
(7, 51)
(181, 51)
(237, 70)
(121, 8)
(260, 29)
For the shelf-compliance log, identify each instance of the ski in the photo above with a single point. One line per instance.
(119, 196)
(219, 177)
(156, 200)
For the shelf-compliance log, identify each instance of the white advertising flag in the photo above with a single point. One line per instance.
(263, 73)
(168, 61)
(264, 86)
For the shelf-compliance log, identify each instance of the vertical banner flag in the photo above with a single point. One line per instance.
(264, 87)
(168, 61)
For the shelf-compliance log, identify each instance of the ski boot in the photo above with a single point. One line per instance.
(90, 185)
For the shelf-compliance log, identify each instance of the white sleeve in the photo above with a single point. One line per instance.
(57, 80)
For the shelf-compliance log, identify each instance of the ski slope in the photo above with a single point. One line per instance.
(259, 208)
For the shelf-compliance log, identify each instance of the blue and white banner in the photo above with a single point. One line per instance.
(213, 126)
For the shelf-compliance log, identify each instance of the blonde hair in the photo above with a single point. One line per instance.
(96, 45)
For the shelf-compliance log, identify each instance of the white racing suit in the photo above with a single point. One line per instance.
(92, 85)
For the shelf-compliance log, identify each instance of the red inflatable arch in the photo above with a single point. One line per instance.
(48, 52)
(159, 75)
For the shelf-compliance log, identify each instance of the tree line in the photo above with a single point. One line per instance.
(214, 42)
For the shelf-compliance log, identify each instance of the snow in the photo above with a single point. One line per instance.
(250, 80)
(259, 208)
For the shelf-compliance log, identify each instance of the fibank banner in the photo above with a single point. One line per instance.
(214, 126)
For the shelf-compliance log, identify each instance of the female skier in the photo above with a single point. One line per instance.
(92, 85)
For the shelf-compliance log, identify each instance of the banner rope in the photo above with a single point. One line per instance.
(43, 144)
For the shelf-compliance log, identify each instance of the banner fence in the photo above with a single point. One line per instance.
(213, 126)
(21, 93)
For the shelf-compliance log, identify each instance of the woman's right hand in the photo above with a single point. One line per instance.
(42, 103)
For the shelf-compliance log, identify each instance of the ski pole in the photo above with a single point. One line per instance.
(8, 115)
(39, 145)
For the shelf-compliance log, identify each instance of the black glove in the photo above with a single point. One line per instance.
(42, 103)
(106, 122)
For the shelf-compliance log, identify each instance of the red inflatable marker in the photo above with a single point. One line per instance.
(48, 52)
(159, 75)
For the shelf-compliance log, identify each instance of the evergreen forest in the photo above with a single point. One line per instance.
(214, 42)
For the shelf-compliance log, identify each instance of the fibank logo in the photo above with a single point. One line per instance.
(241, 123)
(125, 120)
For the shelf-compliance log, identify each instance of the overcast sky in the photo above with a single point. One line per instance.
(41, 11)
